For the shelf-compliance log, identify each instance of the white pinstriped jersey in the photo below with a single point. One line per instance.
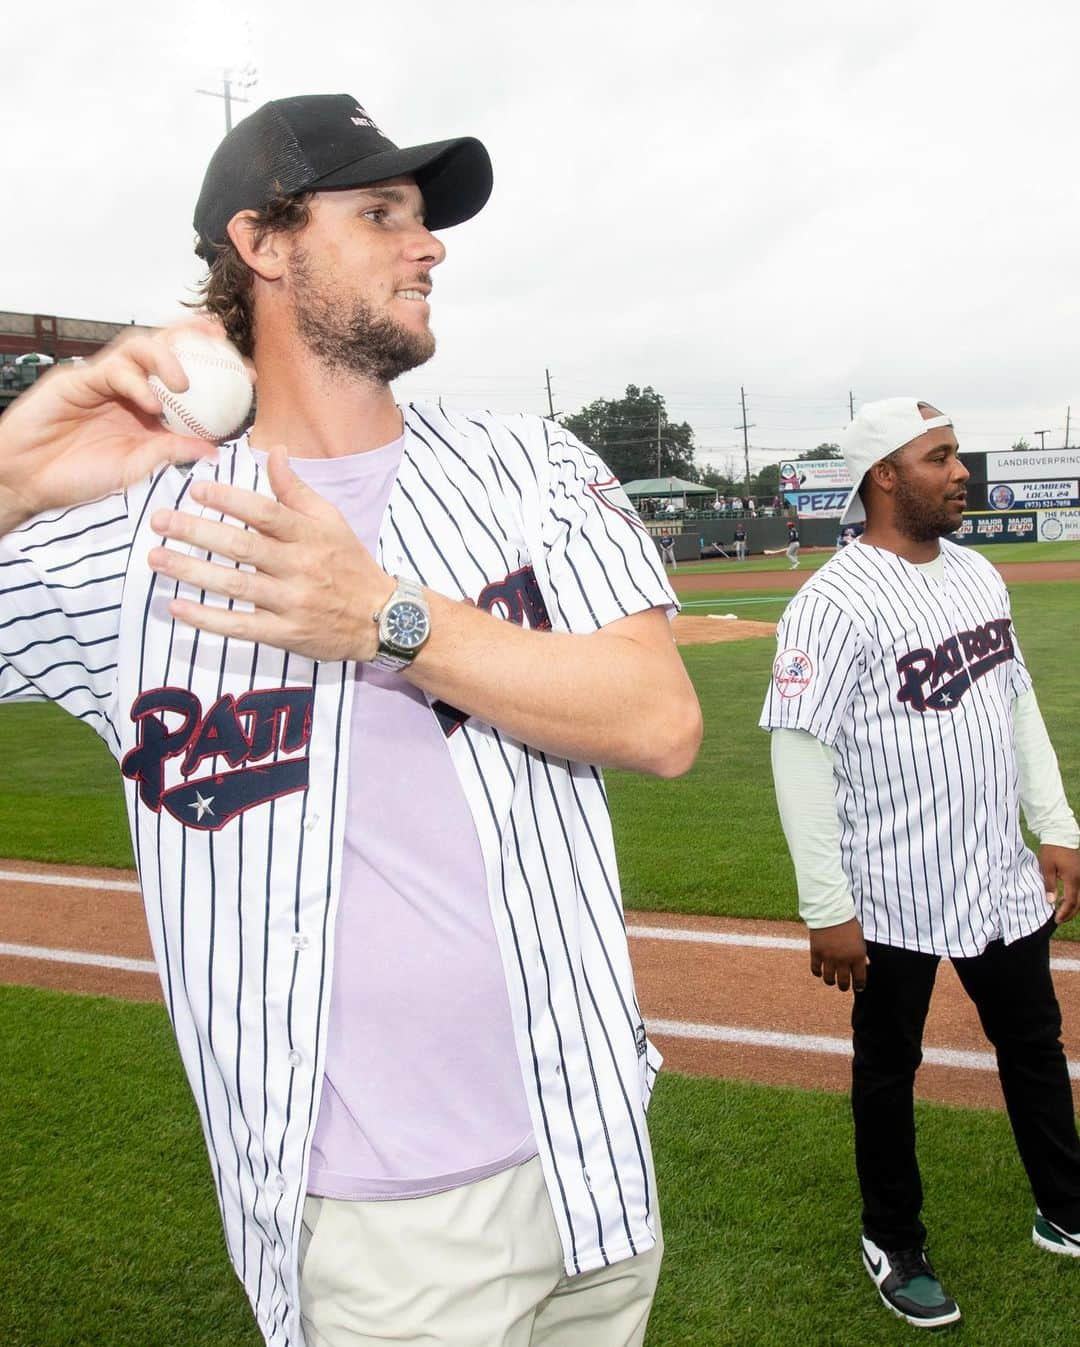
(234, 759)
(912, 680)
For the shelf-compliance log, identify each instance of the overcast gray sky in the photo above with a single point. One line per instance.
(805, 198)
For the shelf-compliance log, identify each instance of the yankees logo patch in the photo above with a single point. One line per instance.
(792, 671)
(936, 680)
(246, 731)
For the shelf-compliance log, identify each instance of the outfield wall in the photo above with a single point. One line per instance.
(1019, 526)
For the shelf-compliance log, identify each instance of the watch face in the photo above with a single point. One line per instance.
(406, 625)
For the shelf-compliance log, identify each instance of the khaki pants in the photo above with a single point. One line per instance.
(478, 1266)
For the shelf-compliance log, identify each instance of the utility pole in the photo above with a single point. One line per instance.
(242, 79)
(1042, 434)
(658, 441)
(851, 405)
(1067, 411)
(745, 427)
(551, 405)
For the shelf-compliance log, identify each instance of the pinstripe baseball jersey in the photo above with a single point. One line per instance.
(911, 678)
(234, 756)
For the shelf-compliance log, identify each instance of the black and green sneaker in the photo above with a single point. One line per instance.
(1051, 1237)
(908, 1285)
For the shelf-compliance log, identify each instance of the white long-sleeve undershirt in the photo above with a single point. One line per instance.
(803, 777)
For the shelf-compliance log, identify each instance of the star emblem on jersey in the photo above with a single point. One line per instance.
(201, 806)
(792, 672)
(261, 737)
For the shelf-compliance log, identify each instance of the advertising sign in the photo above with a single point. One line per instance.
(1017, 526)
(817, 504)
(1032, 465)
(1048, 495)
(814, 474)
(1057, 526)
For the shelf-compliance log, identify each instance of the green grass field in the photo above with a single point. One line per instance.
(708, 843)
(997, 552)
(111, 1236)
(110, 1233)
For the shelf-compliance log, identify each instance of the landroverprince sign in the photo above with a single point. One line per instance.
(1033, 465)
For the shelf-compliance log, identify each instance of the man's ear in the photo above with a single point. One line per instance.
(882, 474)
(265, 256)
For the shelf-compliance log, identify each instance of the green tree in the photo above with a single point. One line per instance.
(723, 483)
(1021, 446)
(765, 483)
(623, 431)
(822, 451)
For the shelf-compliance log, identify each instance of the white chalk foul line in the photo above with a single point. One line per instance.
(714, 1033)
(817, 1043)
(679, 933)
(78, 956)
(70, 881)
(1059, 963)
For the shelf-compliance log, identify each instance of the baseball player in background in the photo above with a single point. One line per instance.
(357, 668)
(740, 541)
(906, 738)
(792, 549)
(667, 551)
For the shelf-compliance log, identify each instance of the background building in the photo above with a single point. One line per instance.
(31, 342)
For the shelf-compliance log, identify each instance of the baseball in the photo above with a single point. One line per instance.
(218, 397)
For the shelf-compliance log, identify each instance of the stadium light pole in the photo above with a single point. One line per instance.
(244, 78)
(1042, 434)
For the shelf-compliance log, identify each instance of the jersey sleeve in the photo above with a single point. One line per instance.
(600, 563)
(1019, 678)
(61, 586)
(818, 661)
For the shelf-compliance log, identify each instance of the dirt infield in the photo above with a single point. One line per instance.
(710, 630)
(730, 999)
(687, 580)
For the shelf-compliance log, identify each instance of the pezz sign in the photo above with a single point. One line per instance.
(817, 504)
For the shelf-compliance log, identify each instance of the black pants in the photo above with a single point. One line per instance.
(1014, 995)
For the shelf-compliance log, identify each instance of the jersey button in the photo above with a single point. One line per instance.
(295, 1058)
(299, 941)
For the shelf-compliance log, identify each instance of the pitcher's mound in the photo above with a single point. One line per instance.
(709, 630)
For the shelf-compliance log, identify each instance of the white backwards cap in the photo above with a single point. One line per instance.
(878, 429)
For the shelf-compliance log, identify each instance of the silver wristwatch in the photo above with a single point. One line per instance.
(404, 625)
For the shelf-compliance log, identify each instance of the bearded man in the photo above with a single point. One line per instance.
(360, 669)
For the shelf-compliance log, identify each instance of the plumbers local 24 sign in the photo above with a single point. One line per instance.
(1050, 495)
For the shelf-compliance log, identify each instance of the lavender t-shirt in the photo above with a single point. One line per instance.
(423, 1089)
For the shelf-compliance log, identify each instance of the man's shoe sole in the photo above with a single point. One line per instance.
(1052, 1246)
(940, 1321)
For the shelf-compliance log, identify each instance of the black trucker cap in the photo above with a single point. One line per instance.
(317, 142)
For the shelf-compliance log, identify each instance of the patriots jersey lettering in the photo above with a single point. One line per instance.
(519, 599)
(937, 679)
(243, 731)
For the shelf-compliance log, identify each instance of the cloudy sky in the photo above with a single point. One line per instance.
(803, 198)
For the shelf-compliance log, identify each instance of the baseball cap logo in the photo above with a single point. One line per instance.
(360, 117)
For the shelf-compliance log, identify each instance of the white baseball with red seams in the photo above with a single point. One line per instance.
(217, 400)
